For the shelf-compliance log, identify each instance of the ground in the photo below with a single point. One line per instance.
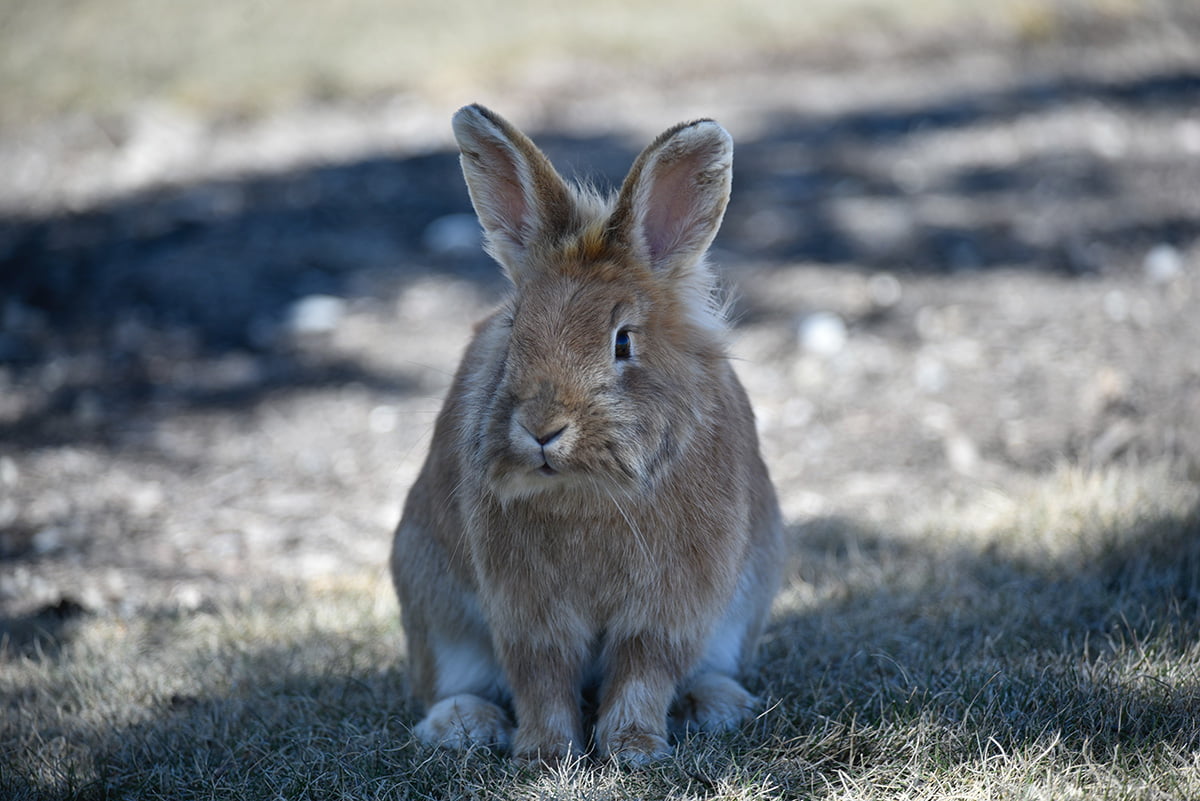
(962, 269)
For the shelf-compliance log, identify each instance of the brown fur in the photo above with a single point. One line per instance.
(645, 563)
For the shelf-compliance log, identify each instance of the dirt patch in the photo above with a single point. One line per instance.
(955, 267)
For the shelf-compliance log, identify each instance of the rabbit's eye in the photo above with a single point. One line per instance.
(622, 345)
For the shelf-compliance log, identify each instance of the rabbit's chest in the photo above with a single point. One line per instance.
(593, 564)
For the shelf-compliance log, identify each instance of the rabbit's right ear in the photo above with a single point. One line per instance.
(520, 199)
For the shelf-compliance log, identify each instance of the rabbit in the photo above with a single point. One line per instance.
(594, 511)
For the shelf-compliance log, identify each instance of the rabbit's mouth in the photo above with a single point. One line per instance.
(510, 481)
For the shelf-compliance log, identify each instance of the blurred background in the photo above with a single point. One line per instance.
(238, 264)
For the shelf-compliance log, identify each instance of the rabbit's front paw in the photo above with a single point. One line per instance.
(464, 721)
(548, 752)
(634, 746)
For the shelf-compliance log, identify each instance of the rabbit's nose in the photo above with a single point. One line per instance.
(543, 435)
(546, 438)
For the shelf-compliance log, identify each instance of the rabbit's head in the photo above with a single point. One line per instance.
(606, 360)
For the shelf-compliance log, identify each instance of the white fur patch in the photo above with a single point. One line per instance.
(723, 652)
(466, 666)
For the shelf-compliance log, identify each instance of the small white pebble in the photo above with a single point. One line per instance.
(1162, 264)
(382, 419)
(823, 333)
(316, 314)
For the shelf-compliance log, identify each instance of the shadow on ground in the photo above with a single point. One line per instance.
(128, 307)
(186, 272)
(959, 651)
(1092, 650)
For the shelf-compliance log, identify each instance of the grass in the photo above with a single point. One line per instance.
(104, 60)
(1040, 643)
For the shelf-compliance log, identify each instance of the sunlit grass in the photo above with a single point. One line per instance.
(231, 57)
(1039, 643)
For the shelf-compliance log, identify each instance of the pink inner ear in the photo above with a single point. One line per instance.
(671, 206)
(505, 203)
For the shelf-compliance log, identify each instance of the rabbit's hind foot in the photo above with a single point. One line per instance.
(465, 721)
(712, 702)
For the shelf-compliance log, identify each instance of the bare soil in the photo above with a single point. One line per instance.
(956, 264)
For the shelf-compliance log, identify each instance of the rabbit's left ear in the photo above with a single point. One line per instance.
(672, 202)
(520, 198)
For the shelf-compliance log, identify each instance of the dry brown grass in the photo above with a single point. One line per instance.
(1038, 644)
(230, 57)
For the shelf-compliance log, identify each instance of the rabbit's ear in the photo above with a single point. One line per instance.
(519, 197)
(672, 202)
